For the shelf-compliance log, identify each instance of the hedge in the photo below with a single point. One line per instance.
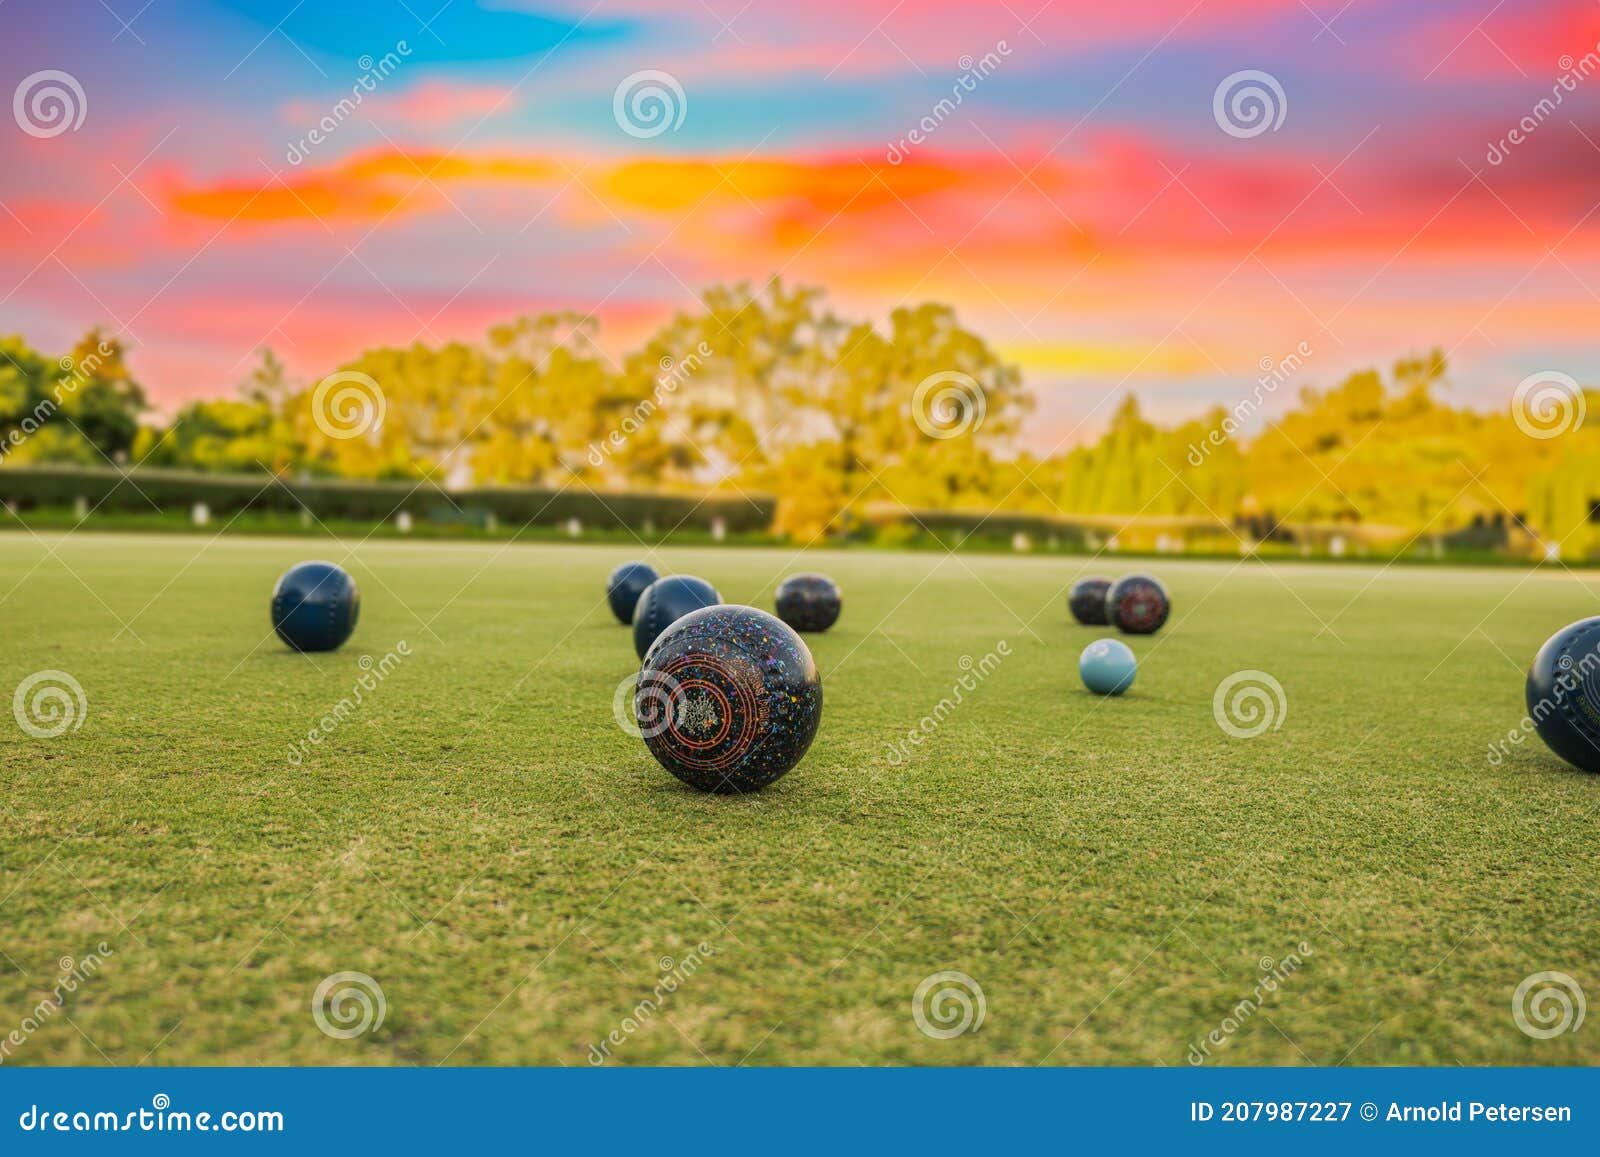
(176, 491)
(1080, 532)
(104, 489)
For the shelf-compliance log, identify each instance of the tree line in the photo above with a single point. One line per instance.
(771, 391)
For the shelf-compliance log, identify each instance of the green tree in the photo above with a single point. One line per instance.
(83, 408)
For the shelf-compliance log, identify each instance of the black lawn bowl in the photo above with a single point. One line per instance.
(625, 586)
(315, 606)
(729, 699)
(1563, 693)
(664, 602)
(1137, 604)
(809, 602)
(1087, 601)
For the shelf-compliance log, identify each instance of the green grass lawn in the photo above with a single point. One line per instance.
(482, 838)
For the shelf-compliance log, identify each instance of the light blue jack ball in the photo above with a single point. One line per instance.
(1107, 667)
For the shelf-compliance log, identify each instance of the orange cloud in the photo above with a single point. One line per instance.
(820, 188)
(319, 198)
(1122, 197)
(370, 186)
(796, 192)
(439, 166)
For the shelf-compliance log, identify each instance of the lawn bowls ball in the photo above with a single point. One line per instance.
(664, 602)
(1563, 693)
(315, 606)
(1087, 601)
(729, 699)
(1107, 667)
(1137, 605)
(809, 602)
(625, 586)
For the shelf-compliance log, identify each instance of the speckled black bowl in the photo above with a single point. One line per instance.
(729, 699)
(1137, 604)
(809, 602)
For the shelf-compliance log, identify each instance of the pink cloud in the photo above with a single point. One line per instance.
(1515, 41)
(855, 37)
(430, 105)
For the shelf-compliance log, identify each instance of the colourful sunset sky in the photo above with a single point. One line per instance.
(1083, 206)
